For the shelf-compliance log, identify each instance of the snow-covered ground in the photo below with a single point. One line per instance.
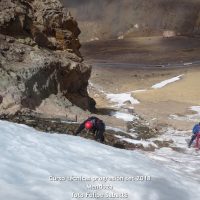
(165, 82)
(184, 160)
(39, 166)
(184, 163)
(120, 100)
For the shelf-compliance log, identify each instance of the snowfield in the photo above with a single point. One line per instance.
(40, 166)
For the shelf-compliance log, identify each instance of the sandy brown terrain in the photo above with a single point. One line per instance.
(175, 98)
(156, 105)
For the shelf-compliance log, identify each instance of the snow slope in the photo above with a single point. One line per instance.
(184, 160)
(30, 161)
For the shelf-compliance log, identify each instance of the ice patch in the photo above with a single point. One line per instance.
(163, 83)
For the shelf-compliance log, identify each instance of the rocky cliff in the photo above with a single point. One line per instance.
(40, 64)
(127, 18)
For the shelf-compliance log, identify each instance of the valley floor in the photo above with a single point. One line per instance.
(142, 64)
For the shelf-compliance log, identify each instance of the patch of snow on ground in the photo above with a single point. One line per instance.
(163, 83)
(189, 63)
(67, 122)
(134, 135)
(138, 91)
(35, 166)
(124, 116)
(144, 143)
(115, 129)
(122, 98)
(192, 117)
(196, 109)
(178, 137)
(94, 39)
(96, 87)
(121, 37)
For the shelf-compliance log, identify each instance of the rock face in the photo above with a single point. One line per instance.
(129, 18)
(40, 64)
(45, 21)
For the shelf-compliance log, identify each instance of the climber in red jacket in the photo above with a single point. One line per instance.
(95, 125)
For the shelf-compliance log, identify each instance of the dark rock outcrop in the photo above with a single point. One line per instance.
(40, 64)
(47, 22)
(64, 126)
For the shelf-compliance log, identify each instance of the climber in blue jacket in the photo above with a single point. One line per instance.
(195, 131)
